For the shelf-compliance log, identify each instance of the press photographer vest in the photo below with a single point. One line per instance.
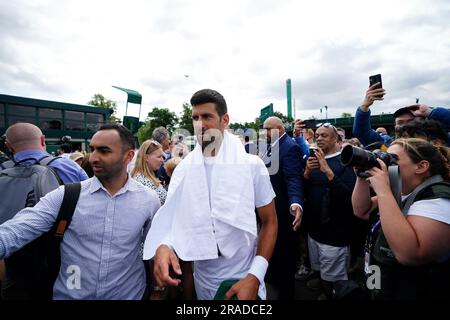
(430, 281)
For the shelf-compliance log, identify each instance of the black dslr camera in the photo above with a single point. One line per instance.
(364, 160)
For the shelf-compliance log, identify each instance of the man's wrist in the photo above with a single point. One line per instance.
(306, 173)
(330, 174)
(364, 108)
(293, 207)
(259, 268)
(158, 289)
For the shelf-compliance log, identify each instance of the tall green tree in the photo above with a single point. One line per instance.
(186, 118)
(158, 117)
(98, 100)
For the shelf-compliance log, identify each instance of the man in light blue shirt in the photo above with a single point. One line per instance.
(26, 141)
(100, 252)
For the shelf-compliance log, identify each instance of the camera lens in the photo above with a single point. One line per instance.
(365, 160)
(355, 157)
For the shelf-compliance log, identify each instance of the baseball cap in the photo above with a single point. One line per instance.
(403, 110)
(76, 156)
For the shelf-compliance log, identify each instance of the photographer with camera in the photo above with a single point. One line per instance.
(410, 243)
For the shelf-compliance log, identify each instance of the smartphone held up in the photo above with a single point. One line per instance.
(376, 79)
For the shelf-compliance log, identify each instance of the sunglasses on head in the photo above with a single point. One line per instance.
(154, 144)
(327, 125)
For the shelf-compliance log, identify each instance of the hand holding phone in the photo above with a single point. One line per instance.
(298, 126)
(376, 79)
(375, 92)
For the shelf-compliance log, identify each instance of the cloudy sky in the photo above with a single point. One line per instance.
(68, 50)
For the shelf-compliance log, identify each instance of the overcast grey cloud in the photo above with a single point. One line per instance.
(167, 49)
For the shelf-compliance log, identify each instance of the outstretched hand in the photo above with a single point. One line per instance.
(165, 258)
(298, 217)
(245, 289)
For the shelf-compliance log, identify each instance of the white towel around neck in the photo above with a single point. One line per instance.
(186, 217)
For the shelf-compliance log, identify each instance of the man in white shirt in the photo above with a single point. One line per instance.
(209, 215)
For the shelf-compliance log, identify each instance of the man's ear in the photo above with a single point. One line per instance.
(226, 119)
(9, 146)
(129, 155)
(43, 141)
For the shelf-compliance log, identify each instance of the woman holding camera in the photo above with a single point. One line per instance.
(411, 248)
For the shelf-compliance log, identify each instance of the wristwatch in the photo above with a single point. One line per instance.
(157, 288)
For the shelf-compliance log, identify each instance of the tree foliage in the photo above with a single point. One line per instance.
(158, 117)
(186, 118)
(98, 100)
(284, 119)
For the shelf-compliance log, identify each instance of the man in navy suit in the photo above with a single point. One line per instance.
(283, 160)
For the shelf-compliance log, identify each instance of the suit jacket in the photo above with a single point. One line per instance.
(286, 181)
(287, 184)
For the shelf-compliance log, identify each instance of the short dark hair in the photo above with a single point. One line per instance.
(435, 130)
(125, 135)
(66, 148)
(431, 129)
(210, 96)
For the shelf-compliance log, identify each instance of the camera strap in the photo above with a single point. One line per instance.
(412, 196)
(396, 183)
(372, 239)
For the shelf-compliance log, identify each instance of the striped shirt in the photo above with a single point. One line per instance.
(100, 252)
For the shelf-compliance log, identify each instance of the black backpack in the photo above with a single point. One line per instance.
(32, 270)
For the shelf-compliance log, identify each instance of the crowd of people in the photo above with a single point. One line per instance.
(236, 217)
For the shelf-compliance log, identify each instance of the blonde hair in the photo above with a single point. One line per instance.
(141, 166)
(170, 165)
(419, 149)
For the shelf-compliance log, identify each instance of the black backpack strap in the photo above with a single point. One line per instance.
(26, 159)
(70, 200)
(71, 196)
(46, 161)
